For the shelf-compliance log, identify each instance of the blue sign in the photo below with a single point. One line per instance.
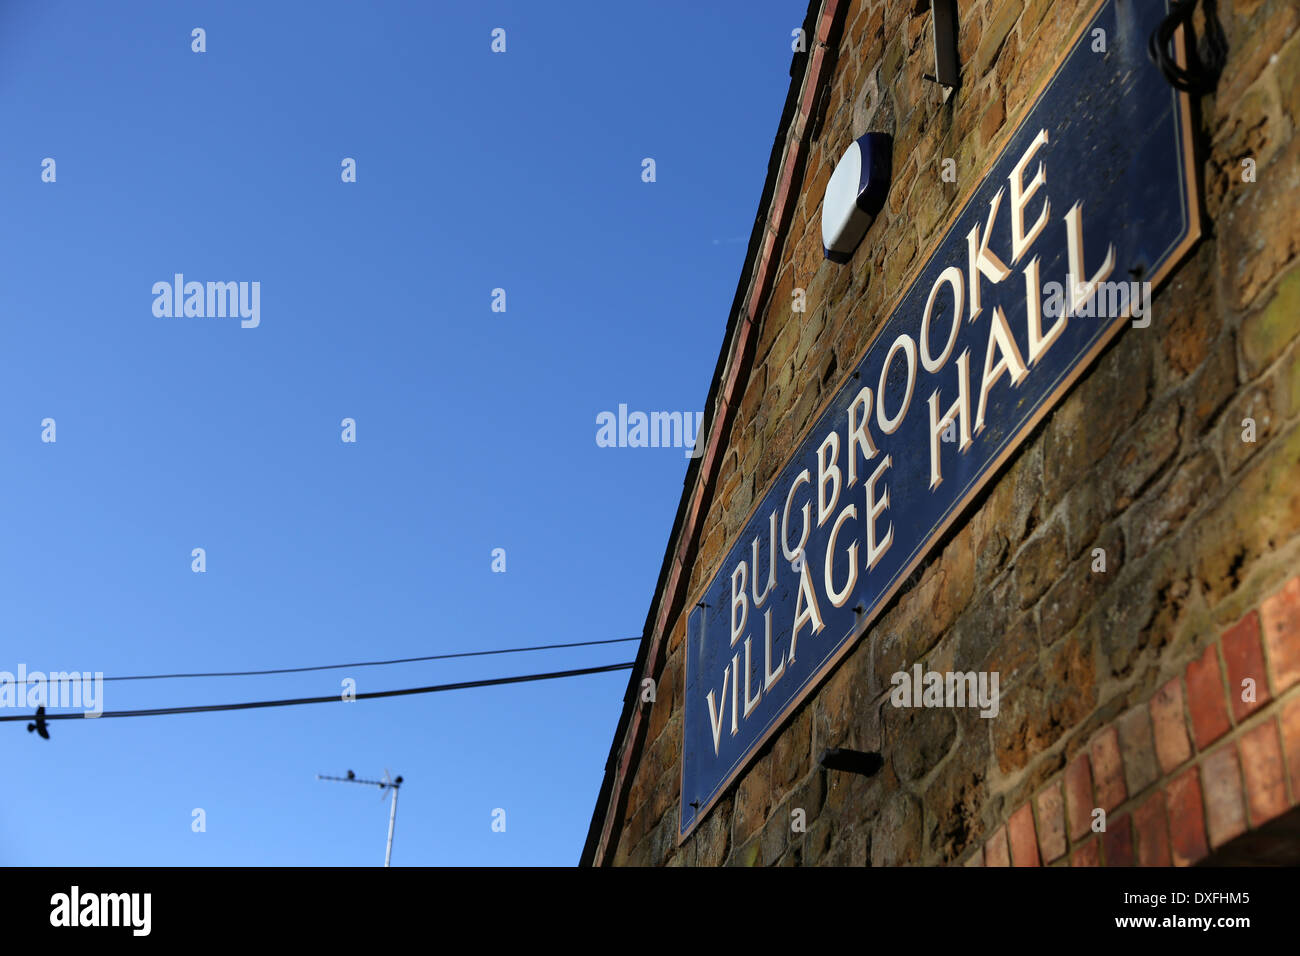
(1089, 205)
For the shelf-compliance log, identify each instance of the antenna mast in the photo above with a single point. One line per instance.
(391, 783)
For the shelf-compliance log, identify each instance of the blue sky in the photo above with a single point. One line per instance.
(475, 429)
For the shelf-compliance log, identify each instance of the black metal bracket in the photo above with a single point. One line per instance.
(852, 761)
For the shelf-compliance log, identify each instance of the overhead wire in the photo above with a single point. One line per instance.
(330, 667)
(293, 702)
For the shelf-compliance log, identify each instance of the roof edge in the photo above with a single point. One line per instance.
(809, 71)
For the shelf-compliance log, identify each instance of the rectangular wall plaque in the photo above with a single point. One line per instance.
(1093, 192)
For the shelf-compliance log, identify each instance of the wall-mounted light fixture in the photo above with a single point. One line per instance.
(855, 194)
(946, 71)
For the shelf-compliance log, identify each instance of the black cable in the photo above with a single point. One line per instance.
(254, 704)
(1203, 66)
(332, 667)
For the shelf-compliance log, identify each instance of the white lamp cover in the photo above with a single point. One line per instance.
(855, 194)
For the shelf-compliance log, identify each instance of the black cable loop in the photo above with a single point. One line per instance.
(1204, 61)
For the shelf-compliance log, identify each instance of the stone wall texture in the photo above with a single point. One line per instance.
(1122, 689)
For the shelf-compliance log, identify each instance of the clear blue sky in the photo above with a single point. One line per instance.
(475, 429)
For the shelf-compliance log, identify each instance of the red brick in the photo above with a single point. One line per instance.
(1244, 655)
(1152, 832)
(1280, 615)
(1137, 747)
(1291, 744)
(1078, 797)
(1225, 809)
(1087, 854)
(1020, 831)
(1261, 762)
(1186, 818)
(1051, 823)
(1205, 698)
(1117, 842)
(995, 851)
(1172, 745)
(1108, 769)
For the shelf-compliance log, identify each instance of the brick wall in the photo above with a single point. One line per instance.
(1121, 689)
(1213, 754)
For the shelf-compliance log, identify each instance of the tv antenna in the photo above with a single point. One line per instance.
(388, 783)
